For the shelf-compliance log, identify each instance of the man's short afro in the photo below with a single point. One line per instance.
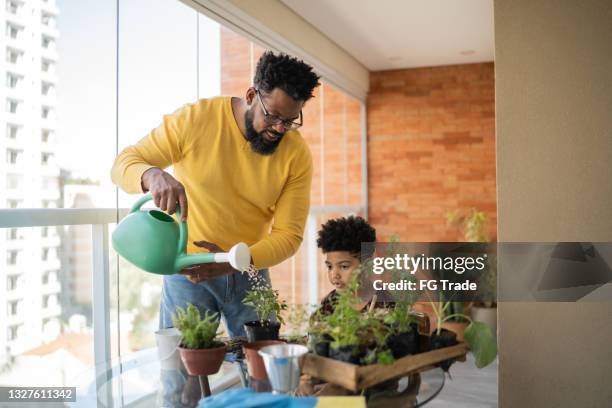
(291, 75)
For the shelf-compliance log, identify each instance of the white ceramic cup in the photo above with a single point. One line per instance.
(167, 342)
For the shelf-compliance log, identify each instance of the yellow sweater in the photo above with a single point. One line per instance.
(234, 194)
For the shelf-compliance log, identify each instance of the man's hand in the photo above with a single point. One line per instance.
(202, 272)
(165, 190)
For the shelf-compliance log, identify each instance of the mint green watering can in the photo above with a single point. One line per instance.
(154, 242)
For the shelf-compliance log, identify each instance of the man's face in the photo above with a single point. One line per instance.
(340, 266)
(263, 136)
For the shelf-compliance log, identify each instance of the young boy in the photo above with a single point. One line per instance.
(340, 240)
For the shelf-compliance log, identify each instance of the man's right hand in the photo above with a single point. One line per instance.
(165, 190)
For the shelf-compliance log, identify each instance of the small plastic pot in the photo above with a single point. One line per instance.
(348, 354)
(404, 344)
(202, 361)
(256, 331)
(320, 344)
(255, 364)
(446, 338)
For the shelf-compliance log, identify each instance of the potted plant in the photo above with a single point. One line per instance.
(297, 318)
(403, 338)
(357, 337)
(319, 337)
(268, 308)
(477, 335)
(200, 352)
(474, 229)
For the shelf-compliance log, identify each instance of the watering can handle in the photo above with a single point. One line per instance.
(182, 244)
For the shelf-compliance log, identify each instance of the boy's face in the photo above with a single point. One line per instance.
(340, 265)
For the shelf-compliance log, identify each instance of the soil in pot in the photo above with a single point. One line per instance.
(203, 361)
(446, 338)
(405, 343)
(256, 331)
(320, 344)
(348, 354)
(255, 364)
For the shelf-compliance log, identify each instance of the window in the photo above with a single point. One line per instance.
(12, 282)
(47, 20)
(48, 42)
(11, 31)
(12, 131)
(14, 181)
(12, 105)
(13, 55)
(12, 6)
(12, 307)
(49, 277)
(49, 300)
(46, 87)
(45, 158)
(11, 233)
(11, 257)
(50, 183)
(46, 135)
(45, 254)
(13, 332)
(46, 112)
(12, 80)
(44, 232)
(12, 203)
(12, 156)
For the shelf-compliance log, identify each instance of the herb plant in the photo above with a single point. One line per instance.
(266, 303)
(197, 333)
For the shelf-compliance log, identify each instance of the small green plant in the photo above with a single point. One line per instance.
(297, 317)
(197, 333)
(477, 335)
(351, 327)
(399, 317)
(474, 229)
(266, 303)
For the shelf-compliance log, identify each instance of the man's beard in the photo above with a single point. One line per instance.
(256, 139)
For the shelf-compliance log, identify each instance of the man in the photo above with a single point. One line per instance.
(242, 174)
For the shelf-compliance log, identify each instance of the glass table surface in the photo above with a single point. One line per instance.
(139, 381)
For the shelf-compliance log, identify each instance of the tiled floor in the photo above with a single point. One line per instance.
(470, 387)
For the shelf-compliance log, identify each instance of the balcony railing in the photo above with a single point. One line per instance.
(99, 220)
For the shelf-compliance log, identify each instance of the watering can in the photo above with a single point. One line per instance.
(154, 242)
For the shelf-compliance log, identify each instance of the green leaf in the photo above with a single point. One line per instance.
(482, 343)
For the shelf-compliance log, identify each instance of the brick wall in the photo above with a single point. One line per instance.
(431, 149)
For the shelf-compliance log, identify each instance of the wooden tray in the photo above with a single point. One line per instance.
(355, 378)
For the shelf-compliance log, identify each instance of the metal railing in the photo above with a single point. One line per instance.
(99, 219)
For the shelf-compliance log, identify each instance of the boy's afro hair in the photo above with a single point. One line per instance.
(346, 234)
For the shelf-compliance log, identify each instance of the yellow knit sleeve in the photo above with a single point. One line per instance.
(161, 148)
(289, 217)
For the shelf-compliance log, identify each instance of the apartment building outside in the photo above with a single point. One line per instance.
(29, 174)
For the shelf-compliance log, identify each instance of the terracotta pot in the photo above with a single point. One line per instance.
(457, 327)
(486, 315)
(255, 364)
(202, 361)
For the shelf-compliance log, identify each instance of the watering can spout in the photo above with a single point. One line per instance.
(154, 242)
(239, 257)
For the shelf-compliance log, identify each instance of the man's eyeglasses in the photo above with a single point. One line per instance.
(275, 120)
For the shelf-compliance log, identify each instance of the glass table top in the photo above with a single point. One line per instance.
(140, 381)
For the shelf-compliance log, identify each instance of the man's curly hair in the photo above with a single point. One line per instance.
(346, 234)
(291, 75)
